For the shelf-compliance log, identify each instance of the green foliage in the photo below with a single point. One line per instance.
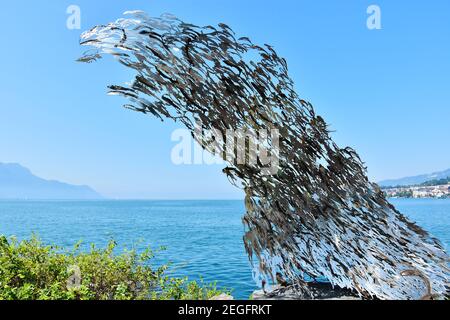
(439, 182)
(30, 270)
(431, 183)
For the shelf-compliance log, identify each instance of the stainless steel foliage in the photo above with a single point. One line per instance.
(319, 216)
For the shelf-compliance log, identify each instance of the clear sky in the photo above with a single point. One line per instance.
(385, 92)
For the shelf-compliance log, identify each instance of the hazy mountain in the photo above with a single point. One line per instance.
(17, 182)
(416, 179)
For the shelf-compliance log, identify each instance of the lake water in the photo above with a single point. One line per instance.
(203, 238)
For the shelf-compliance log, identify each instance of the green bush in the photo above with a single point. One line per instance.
(30, 270)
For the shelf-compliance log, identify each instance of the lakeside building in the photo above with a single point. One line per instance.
(440, 191)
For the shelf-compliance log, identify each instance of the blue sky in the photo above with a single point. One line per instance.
(385, 92)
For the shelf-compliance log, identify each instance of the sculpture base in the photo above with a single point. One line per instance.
(319, 291)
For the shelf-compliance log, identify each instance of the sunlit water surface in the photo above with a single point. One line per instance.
(203, 238)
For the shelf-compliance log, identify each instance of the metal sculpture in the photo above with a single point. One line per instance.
(318, 215)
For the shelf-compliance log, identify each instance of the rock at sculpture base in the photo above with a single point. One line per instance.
(319, 291)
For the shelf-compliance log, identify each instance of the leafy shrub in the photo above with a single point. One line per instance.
(30, 270)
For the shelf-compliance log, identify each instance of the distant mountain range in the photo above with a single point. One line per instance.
(17, 182)
(415, 180)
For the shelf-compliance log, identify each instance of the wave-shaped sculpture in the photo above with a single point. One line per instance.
(318, 216)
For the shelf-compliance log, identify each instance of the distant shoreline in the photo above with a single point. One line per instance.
(434, 191)
(424, 198)
(164, 200)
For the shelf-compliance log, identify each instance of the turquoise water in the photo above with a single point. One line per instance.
(203, 238)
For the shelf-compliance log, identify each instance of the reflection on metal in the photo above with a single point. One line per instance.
(318, 216)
